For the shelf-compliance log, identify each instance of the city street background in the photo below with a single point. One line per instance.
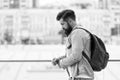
(29, 31)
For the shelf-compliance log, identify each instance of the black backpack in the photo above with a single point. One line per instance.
(99, 56)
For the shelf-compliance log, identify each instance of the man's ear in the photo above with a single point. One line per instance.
(69, 20)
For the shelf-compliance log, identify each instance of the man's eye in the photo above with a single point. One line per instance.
(62, 24)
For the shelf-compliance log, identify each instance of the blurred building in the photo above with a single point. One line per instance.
(113, 6)
(109, 4)
(14, 4)
(31, 17)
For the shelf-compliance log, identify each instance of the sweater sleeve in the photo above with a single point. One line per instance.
(77, 48)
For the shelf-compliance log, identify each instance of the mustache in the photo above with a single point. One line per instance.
(64, 29)
(67, 31)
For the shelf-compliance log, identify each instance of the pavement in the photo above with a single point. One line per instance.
(45, 70)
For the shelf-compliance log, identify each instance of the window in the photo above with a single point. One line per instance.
(8, 20)
(5, 0)
(14, 3)
(5, 6)
(23, 0)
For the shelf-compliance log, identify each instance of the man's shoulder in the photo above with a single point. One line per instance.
(79, 31)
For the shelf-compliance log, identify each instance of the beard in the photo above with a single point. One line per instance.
(68, 30)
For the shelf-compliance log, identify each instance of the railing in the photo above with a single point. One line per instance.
(34, 63)
(108, 74)
(111, 60)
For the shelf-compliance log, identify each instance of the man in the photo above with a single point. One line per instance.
(78, 41)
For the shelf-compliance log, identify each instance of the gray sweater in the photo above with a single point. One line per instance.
(74, 61)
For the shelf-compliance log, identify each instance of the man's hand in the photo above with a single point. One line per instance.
(55, 61)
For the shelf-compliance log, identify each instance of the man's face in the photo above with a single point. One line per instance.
(66, 27)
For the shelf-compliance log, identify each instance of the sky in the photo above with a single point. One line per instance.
(43, 2)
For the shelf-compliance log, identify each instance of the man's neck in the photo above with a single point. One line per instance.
(74, 25)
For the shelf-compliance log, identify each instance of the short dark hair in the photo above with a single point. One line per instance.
(66, 14)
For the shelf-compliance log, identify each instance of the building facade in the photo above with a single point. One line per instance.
(16, 4)
(20, 16)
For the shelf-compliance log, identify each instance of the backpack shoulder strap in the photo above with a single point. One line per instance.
(85, 55)
(83, 29)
